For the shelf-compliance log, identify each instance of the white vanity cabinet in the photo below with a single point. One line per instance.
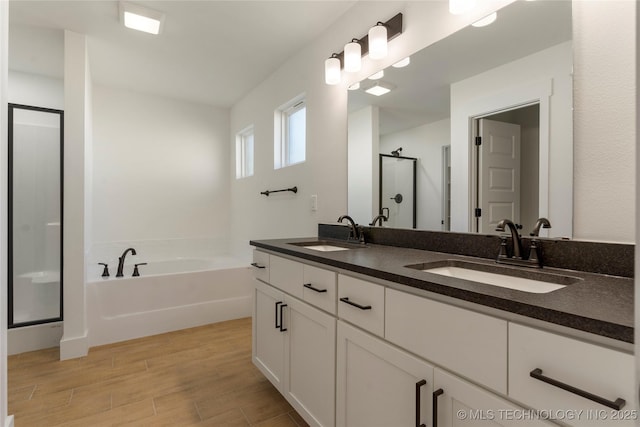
(294, 344)
(378, 384)
(583, 383)
(458, 403)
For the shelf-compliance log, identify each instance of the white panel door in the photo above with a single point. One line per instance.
(499, 174)
(461, 404)
(310, 343)
(378, 385)
(268, 339)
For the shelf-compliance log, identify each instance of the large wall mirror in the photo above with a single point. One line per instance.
(507, 87)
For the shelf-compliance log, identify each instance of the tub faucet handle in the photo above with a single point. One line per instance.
(136, 273)
(105, 270)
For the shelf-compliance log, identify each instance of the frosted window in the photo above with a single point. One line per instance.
(244, 153)
(296, 132)
(290, 133)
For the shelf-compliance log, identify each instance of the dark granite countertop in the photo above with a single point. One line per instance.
(597, 303)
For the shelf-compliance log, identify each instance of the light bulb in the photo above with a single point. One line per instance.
(332, 70)
(352, 57)
(378, 41)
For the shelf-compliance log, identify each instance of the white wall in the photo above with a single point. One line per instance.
(604, 119)
(161, 168)
(36, 90)
(425, 143)
(362, 156)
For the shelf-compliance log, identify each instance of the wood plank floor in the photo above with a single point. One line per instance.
(201, 376)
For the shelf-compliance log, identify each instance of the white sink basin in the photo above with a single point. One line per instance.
(326, 248)
(504, 281)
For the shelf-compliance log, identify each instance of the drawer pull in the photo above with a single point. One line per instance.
(355, 304)
(310, 286)
(256, 265)
(439, 392)
(277, 324)
(419, 384)
(282, 329)
(618, 404)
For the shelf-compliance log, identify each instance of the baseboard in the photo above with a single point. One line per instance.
(71, 348)
(9, 421)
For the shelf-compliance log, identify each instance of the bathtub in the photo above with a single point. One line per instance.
(168, 295)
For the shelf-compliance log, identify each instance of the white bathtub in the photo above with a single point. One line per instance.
(169, 295)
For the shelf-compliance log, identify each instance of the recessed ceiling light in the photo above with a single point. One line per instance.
(402, 63)
(141, 18)
(376, 76)
(487, 20)
(380, 88)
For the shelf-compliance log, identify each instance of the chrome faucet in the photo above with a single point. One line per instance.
(121, 261)
(540, 223)
(379, 220)
(354, 230)
(515, 237)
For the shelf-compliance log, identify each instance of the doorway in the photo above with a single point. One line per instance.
(506, 178)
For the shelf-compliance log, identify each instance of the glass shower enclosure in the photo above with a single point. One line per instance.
(35, 215)
(397, 196)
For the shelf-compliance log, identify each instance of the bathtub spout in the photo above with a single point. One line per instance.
(121, 261)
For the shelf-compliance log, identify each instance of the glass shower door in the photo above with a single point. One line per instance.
(35, 215)
(398, 190)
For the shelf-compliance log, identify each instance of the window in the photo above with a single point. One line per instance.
(244, 152)
(291, 133)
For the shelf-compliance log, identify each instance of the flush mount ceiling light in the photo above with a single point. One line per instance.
(402, 63)
(380, 88)
(487, 20)
(458, 7)
(141, 18)
(376, 76)
(354, 86)
(371, 44)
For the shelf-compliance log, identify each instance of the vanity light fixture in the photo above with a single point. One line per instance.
(402, 63)
(459, 7)
(141, 18)
(371, 44)
(487, 20)
(376, 76)
(332, 70)
(352, 56)
(380, 88)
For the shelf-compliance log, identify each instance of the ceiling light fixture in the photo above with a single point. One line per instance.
(141, 18)
(380, 88)
(370, 44)
(376, 76)
(402, 63)
(487, 20)
(458, 7)
(354, 86)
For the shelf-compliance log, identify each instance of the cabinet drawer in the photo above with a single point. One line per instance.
(319, 288)
(600, 371)
(286, 275)
(260, 266)
(471, 344)
(361, 303)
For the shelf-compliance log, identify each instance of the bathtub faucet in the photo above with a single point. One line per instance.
(121, 261)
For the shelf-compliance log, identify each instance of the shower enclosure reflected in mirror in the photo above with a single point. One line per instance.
(398, 190)
(35, 215)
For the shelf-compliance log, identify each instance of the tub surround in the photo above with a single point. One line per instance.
(601, 303)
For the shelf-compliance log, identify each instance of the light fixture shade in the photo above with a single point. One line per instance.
(352, 57)
(332, 70)
(402, 63)
(458, 7)
(354, 86)
(376, 76)
(378, 41)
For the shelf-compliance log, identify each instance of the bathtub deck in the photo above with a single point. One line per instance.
(200, 376)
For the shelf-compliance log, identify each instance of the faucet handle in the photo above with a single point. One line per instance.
(105, 270)
(136, 273)
(504, 250)
(534, 255)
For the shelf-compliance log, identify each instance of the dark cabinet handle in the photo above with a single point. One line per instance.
(278, 324)
(256, 265)
(439, 392)
(419, 384)
(310, 286)
(282, 329)
(618, 404)
(361, 307)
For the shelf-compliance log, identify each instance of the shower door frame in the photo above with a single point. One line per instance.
(415, 194)
(10, 322)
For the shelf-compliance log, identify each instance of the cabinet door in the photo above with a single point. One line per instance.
(461, 404)
(310, 347)
(268, 339)
(378, 384)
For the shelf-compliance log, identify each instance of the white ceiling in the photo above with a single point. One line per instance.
(211, 52)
